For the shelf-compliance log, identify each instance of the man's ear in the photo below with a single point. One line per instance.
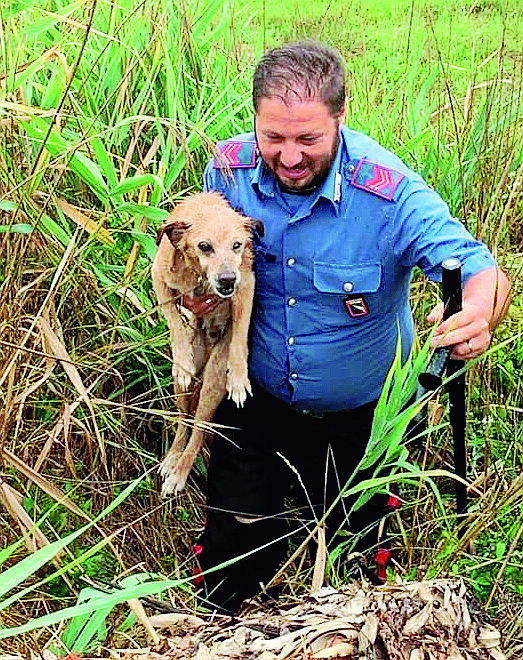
(341, 117)
(174, 232)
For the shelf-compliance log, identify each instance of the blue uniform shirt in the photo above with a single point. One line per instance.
(333, 270)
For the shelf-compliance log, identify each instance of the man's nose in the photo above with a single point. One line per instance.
(290, 155)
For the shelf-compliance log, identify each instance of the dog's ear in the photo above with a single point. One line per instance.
(174, 232)
(258, 228)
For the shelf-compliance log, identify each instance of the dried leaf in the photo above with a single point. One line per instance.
(43, 483)
(466, 621)
(416, 654)
(335, 637)
(447, 597)
(341, 650)
(357, 605)
(203, 653)
(175, 619)
(321, 631)
(416, 623)
(444, 617)
(57, 348)
(368, 633)
(125, 292)
(12, 503)
(455, 655)
(425, 593)
(320, 562)
(288, 640)
(142, 617)
(49, 655)
(489, 637)
(82, 220)
(338, 626)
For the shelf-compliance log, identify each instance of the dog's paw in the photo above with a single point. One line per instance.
(238, 386)
(168, 465)
(175, 475)
(183, 375)
(175, 470)
(174, 483)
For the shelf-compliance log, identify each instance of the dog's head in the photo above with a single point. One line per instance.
(213, 239)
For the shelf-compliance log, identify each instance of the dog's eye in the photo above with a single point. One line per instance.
(236, 246)
(205, 247)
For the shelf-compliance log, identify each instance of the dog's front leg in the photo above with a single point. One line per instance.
(238, 384)
(184, 368)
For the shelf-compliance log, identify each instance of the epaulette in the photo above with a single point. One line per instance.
(235, 154)
(376, 179)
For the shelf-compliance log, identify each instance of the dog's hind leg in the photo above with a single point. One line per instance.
(181, 437)
(186, 403)
(212, 393)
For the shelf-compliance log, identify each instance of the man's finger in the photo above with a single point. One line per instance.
(436, 313)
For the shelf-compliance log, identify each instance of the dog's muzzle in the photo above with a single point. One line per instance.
(225, 285)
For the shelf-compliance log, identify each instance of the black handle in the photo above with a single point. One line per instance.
(451, 294)
(433, 377)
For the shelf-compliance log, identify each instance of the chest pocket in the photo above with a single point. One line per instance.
(335, 282)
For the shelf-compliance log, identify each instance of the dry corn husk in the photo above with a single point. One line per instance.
(429, 620)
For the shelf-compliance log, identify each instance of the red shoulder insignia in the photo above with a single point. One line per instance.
(376, 179)
(235, 154)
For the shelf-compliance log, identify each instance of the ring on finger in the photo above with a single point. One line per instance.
(470, 346)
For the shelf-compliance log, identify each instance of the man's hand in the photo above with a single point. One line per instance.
(485, 302)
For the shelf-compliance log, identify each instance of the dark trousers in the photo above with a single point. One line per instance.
(270, 449)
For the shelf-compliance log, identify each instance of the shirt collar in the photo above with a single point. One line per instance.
(263, 181)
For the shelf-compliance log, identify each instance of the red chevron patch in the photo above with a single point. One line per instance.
(235, 153)
(376, 179)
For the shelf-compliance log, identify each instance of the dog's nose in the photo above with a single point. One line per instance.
(225, 284)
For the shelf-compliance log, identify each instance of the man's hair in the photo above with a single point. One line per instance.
(301, 71)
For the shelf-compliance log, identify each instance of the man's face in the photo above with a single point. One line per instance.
(297, 141)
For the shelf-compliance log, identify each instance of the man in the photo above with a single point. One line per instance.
(345, 222)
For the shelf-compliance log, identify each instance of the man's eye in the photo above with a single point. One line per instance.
(236, 246)
(205, 247)
(309, 139)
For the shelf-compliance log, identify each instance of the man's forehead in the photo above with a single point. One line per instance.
(292, 96)
(306, 115)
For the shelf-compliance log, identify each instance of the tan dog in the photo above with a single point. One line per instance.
(204, 281)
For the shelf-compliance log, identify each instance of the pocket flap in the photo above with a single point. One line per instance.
(347, 278)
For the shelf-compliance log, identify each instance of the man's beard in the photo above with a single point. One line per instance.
(319, 169)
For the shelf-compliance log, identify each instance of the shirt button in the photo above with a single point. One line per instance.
(348, 286)
(291, 261)
(294, 376)
(291, 302)
(291, 341)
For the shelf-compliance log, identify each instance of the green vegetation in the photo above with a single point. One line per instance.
(108, 112)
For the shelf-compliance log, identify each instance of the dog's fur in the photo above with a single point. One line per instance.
(204, 259)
